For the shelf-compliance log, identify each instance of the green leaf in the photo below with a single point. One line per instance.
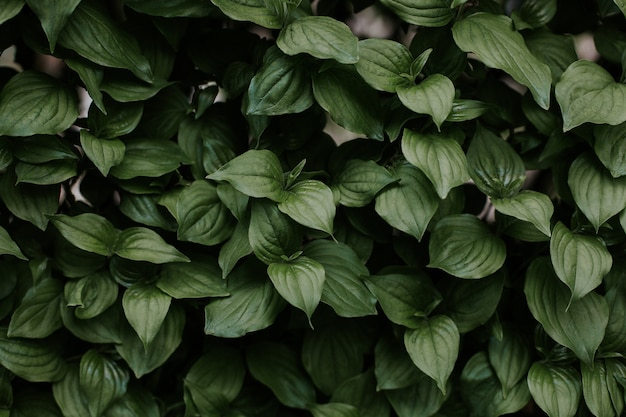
(68, 394)
(410, 204)
(198, 279)
(101, 380)
(438, 156)
(168, 8)
(610, 147)
(499, 46)
(104, 153)
(282, 85)
(360, 391)
(145, 307)
(220, 370)
(202, 217)
(142, 244)
(615, 337)
(89, 232)
(510, 358)
(29, 202)
(464, 110)
(143, 360)
(235, 248)
(299, 281)
(32, 360)
(581, 326)
(463, 246)
(53, 16)
(528, 206)
(494, 166)
(38, 314)
(393, 366)
(272, 234)
(10, 9)
(350, 101)
(405, 298)
(421, 399)
(383, 62)
(104, 328)
(598, 195)
(277, 367)
(557, 51)
(555, 389)
(310, 203)
(36, 103)
(596, 389)
(252, 305)
(40, 149)
(96, 293)
(144, 209)
(94, 35)
(579, 261)
(534, 14)
(320, 36)
(256, 173)
(48, 173)
(360, 181)
(433, 345)
(8, 246)
(138, 402)
(429, 13)
(587, 93)
(256, 11)
(433, 96)
(91, 75)
(119, 120)
(148, 158)
(334, 410)
(622, 5)
(344, 289)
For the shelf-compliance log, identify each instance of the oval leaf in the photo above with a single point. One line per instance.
(555, 389)
(463, 246)
(434, 96)
(141, 244)
(529, 206)
(579, 261)
(610, 147)
(510, 357)
(145, 307)
(256, 11)
(596, 389)
(382, 63)
(32, 360)
(429, 13)
(89, 232)
(433, 346)
(38, 314)
(498, 45)
(310, 203)
(320, 36)
(102, 381)
(360, 181)
(197, 279)
(35, 103)
(272, 235)
(103, 153)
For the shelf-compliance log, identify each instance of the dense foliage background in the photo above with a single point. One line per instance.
(182, 235)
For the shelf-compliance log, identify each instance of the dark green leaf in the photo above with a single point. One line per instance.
(256, 11)
(433, 96)
(557, 51)
(272, 234)
(35, 103)
(68, 394)
(53, 16)
(360, 181)
(145, 307)
(464, 110)
(120, 119)
(344, 289)
(38, 314)
(587, 93)
(421, 399)
(433, 345)
(91, 75)
(495, 167)
(39, 149)
(197, 279)
(533, 14)
(615, 337)
(29, 202)
(93, 34)
(334, 410)
(138, 402)
(499, 46)
(10, 9)
(89, 232)
(32, 360)
(393, 367)
(320, 36)
(430, 13)
(580, 325)
(48, 173)
(8, 246)
(220, 370)
(235, 248)
(463, 246)
(610, 147)
(145, 210)
(311, 204)
(360, 391)
(596, 389)
(510, 357)
(556, 389)
(142, 244)
(101, 381)
(95, 294)
(529, 206)
(168, 8)
(149, 158)
(382, 63)
(102, 152)
(104, 328)
(277, 367)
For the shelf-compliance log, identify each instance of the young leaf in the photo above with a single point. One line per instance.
(145, 307)
(344, 289)
(311, 204)
(102, 152)
(438, 156)
(433, 345)
(38, 314)
(598, 195)
(299, 281)
(53, 16)
(92, 34)
(383, 62)
(360, 181)
(498, 45)
(579, 325)
(610, 147)
(142, 244)
(272, 234)
(529, 206)
(89, 232)
(282, 85)
(555, 389)
(277, 367)
(429, 13)
(35, 103)
(32, 360)
(256, 173)
(198, 279)
(463, 246)
(433, 96)
(410, 204)
(101, 380)
(587, 93)
(579, 261)
(8, 246)
(405, 298)
(495, 167)
(320, 36)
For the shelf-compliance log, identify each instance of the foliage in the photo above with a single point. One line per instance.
(195, 243)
